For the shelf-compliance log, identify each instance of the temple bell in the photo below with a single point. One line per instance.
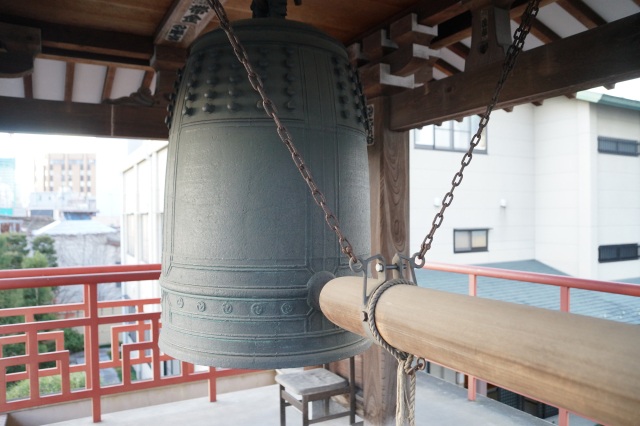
(246, 249)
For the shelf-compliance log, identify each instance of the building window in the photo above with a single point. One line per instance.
(618, 146)
(469, 240)
(131, 234)
(450, 135)
(144, 237)
(618, 252)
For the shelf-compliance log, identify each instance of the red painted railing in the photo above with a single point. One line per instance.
(564, 283)
(145, 323)
(89, 315)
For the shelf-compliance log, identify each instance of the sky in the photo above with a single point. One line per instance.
(626, 89)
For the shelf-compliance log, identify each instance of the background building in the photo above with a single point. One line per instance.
(66, 172)
(143, 207)
(558, 183)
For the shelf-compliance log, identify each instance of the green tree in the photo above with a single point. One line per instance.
(13, 249)
(38, 260)
(45, 245)
(14, 255)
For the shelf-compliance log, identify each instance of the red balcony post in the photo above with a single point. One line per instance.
(563, 417)
(564, 299)
(213, 391)
(472, 381)
(91, 293)
(32, 363)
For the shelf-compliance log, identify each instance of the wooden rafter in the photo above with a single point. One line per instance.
(582, 12)
(68, 81)
(85, 42)
(147, 79)
(459, 49)
(108, 83)
(446, 67)
(27, 81)
(604, 55)
(541, 31)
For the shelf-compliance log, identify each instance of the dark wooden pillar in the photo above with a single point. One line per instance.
(389, 179)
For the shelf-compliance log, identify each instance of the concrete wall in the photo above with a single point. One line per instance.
(504, 173)
(618, 191)
(563, 198)
(564, 186)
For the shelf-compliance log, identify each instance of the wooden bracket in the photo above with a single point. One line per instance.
(18, 49)
(407, 30)
(377, 45)
(396, 63)
(490, 34)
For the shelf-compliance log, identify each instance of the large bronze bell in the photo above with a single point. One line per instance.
(244, 242)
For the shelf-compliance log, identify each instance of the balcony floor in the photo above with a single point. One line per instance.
(438, 403)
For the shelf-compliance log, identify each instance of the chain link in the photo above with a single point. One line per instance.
(283, 132)
(512, 53)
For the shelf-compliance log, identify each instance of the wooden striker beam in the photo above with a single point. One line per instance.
(587, 365)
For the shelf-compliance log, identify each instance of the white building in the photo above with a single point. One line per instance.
(558, 183)
(143, 206)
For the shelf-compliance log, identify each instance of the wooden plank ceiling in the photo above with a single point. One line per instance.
(98, 63)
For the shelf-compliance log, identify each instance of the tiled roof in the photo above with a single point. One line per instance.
(75, 227)
(602, 305)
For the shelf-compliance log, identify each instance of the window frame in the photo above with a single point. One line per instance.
(453, 130)
(471, 249)
(618, 248)
(603, 140)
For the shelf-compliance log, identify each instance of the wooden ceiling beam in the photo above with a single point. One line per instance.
(604, 55)
(91, 41)
(436, 12)
(93, 58)
(101, 120)
(183, 23)
(582, 12)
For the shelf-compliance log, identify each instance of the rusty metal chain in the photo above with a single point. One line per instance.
(283, 132)
(510, 59)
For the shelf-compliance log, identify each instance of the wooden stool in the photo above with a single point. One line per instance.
(299, 389)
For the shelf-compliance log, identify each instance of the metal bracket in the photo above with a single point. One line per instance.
(401, 267)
